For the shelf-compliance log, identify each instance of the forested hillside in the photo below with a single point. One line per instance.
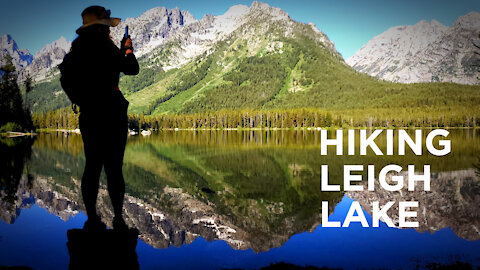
(269, 64)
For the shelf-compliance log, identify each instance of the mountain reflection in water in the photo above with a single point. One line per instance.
(250, 189)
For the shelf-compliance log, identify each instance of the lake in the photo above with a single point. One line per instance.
(239, 199)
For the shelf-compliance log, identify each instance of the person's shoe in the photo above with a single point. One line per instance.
(94, 224)
(120, 226)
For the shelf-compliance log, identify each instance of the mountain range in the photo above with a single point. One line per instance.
(150, 30)
(257, 57)
(40, 65)
(424, 52)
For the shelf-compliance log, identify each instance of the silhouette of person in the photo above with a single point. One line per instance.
(103, 109)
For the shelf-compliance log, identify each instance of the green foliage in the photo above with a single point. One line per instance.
(160, 101)
(12, 109)
(47, 95)
(306, 75)
(189, 79)
(308, 118)
(147, 76)
(184, 82)
(164, 54)
(255, 81)
(64, 118)
(10, 126)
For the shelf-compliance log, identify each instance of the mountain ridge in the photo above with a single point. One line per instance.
(159, 24)
(258, 58)
(150, 30)
(20, 57)
(424, 52)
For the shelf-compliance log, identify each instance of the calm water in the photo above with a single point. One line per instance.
(237, 199)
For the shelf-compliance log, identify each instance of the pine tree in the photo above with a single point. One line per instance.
(11, 103)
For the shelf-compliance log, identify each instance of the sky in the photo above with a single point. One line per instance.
(348, 23)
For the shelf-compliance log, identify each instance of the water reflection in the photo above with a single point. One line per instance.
(251, 189)
(14, 153)
(453, 202)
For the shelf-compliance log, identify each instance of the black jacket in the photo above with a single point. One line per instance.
(97, 64)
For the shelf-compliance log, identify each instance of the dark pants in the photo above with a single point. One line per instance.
(104, 138)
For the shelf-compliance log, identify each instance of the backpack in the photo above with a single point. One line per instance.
(71, 78)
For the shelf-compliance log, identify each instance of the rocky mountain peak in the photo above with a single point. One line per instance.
(60, 43)
(468, 21)
(20, 57)
(424, 26)
(236, 11)
(436, 23)
(153, 27)
(156, 12)
(322, 37)
(175, 16)
(188, 18)
(421, 24)
(259, 5)
(7, 41)
(265, 9)
(159, 26)
(47, 58)
(424, 52)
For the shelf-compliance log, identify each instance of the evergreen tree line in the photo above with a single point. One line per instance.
(14, 116)
(65, 118)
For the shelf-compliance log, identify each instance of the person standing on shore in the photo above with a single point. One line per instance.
(90, 76)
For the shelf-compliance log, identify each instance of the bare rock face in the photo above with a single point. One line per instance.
(424, 52)
(46, 60)
(152, 28)
(453, 201)
(39, 66)
(20, 58)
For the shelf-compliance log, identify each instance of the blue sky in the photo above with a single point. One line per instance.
(349, 24)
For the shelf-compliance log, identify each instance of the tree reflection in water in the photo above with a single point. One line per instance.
(14, 154)
(252, 189)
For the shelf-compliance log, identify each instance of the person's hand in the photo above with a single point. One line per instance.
(126, 44)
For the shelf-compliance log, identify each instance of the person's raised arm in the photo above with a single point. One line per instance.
(129, 63)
